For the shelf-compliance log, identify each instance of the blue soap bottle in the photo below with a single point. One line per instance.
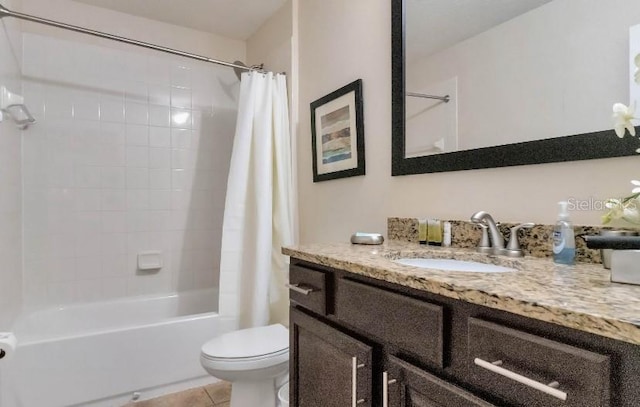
(564, 241)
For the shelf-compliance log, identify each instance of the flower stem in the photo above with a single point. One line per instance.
(630, 197)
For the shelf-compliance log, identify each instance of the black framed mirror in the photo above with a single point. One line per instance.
(553, 148)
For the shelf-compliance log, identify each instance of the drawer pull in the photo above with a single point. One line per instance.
(354, 382)
(550, 389)
(298, 289)
(385, 388)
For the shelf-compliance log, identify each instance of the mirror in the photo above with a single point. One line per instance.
(502, 82)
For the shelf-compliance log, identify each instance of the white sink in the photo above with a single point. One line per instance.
(454, 265)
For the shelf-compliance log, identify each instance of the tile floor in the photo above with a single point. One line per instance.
(213, 395)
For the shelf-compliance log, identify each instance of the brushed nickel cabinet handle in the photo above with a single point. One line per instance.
(550, 389)
(298, 289)
(385, 388)
(354, 382)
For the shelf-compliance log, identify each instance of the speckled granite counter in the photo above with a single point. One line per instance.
(579, 297)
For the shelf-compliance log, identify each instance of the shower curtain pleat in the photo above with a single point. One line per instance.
(257, 216)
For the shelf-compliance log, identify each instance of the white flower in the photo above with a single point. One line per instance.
(631, 213)
(637, 74)
(613, 203)
(622, 116)
(637, 184)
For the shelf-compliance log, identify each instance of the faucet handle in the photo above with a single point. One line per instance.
(513, 247)
(484, 246)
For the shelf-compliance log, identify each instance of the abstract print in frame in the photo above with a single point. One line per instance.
(337, 130)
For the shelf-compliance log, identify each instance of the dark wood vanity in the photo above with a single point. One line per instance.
(359, 341)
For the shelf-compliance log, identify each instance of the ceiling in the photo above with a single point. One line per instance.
(236, 19)
(434, 25)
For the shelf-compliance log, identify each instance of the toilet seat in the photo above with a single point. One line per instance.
(247, 349)
(247, 358)
(245, 364)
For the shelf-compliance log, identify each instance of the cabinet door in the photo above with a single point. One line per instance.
(409, 386)
(328, 368)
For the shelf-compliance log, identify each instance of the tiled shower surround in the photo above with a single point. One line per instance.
(130, 153)
(10, 181)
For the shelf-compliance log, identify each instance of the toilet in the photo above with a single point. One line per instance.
(254, 360)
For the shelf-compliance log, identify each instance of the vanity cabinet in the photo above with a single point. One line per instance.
(374, 343)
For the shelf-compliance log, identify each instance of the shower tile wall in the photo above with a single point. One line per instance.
(10, 181)
(130, 154)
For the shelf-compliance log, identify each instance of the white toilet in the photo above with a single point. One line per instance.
(254, 360)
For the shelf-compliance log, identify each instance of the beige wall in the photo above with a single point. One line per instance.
(343, 40)
(271, 44)
(127, 25)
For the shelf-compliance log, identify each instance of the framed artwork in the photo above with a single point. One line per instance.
(337, 132)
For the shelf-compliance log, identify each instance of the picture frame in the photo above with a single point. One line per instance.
(337, 134)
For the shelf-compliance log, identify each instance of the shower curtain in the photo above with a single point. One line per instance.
(258, 215)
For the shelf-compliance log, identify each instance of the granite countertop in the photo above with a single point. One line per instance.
(580, 297)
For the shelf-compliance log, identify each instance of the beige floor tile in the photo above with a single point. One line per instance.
(219, 392)
(190, 398)
(225, 404)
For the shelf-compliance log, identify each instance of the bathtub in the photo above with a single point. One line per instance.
(108, 353)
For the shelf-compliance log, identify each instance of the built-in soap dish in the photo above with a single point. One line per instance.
(150, 260)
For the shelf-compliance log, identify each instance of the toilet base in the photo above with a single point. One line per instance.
(261, 393)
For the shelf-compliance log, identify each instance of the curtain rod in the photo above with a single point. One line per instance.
(5, 12)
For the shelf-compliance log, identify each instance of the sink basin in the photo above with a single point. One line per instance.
(454, 265)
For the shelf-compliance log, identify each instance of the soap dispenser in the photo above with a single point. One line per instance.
(564, 241)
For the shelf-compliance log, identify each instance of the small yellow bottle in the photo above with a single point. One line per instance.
(422, 231)
(434, 232)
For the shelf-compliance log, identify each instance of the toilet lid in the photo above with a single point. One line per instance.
(248, 343)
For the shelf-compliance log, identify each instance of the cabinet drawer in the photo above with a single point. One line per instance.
(410, 386)
(308, 288)
(414, 326)
(527, 370)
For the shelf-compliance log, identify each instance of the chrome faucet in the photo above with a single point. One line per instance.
(495, 245)
(497, 241)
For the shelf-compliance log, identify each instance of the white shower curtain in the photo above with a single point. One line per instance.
(258, 215)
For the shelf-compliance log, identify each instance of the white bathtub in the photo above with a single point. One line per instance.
(100, 354)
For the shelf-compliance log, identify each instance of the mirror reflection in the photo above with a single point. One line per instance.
(512, 71)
